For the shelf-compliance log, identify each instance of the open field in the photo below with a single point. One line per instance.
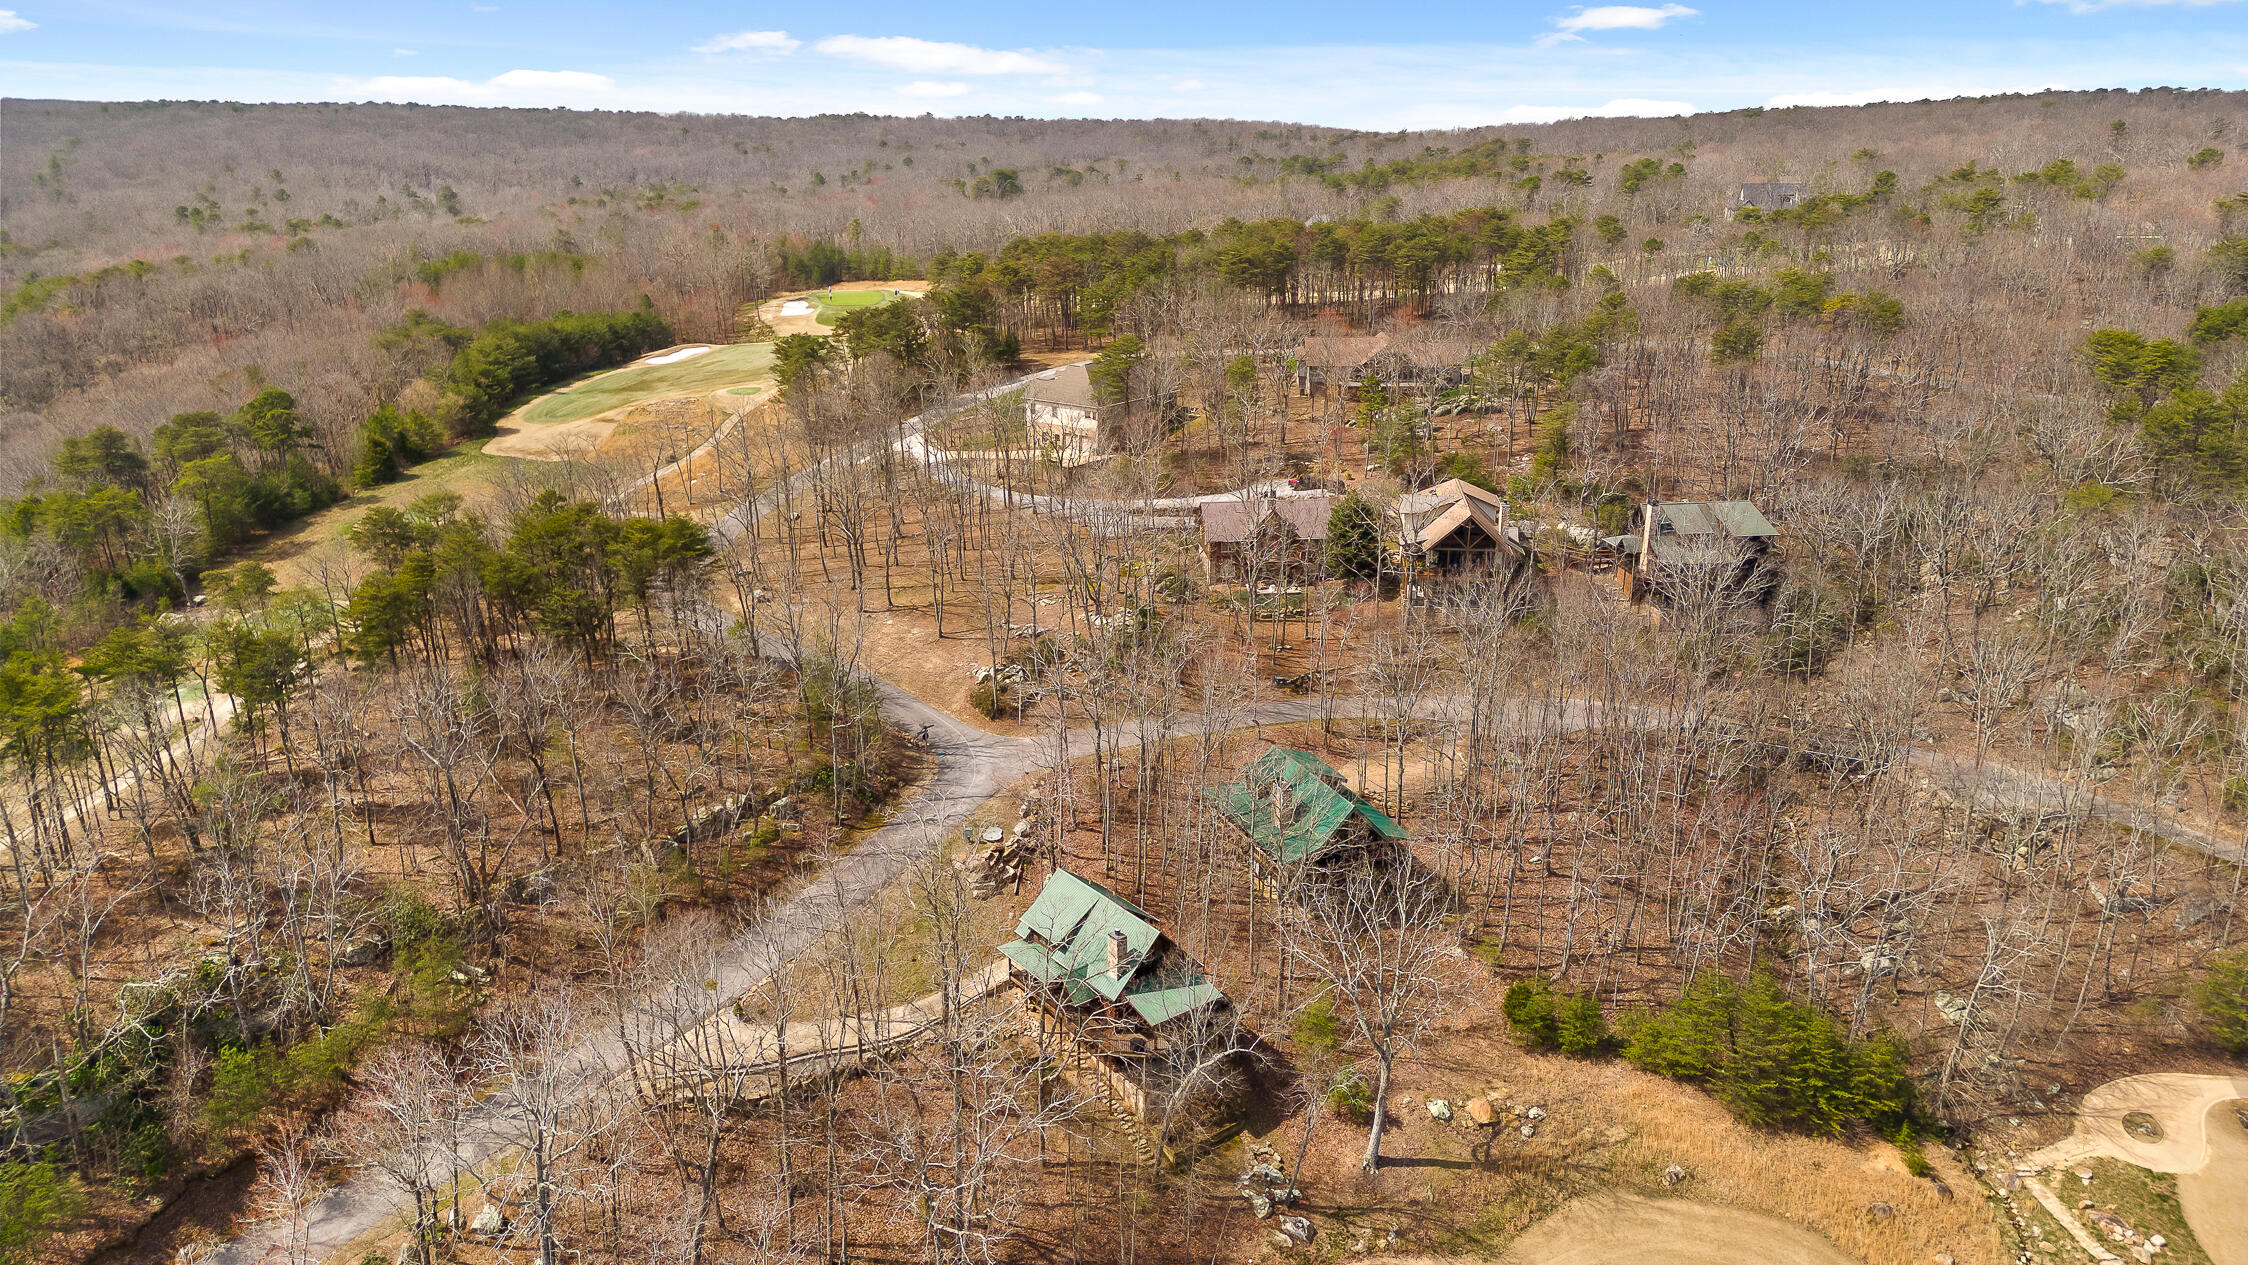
(815, 311)
(736, 365)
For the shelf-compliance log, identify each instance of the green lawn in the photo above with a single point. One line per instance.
(720, 366)
(834, 303)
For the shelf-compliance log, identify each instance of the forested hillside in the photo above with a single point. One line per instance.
(528, 700)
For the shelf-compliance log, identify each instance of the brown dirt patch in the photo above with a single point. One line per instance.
(2212, 1194)
(1612, 1229)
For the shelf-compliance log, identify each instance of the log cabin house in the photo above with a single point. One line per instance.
(1299, 812)
(1264, 538)
(1109, 985)
(1723, 546)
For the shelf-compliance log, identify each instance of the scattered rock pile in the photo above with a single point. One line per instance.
(996, 858)
(1266, 1186)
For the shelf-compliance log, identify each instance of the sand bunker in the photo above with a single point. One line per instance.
(673, 357)
(1614, 1229)
(796, 307)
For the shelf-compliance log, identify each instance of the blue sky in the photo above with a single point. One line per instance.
(1409, 63)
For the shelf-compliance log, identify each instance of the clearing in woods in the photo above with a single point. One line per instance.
(647, 379)
(834, 303)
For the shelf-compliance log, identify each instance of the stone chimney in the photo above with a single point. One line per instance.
(1647, 537)
(1116, 954)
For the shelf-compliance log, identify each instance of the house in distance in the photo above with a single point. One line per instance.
(1674, 546)
(1456, 529)
(1297, 810)
(1769, 195)
(1107, 983)
(1265, 538)
(1069, 422)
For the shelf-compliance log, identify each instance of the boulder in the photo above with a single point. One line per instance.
(1673, 1175)
(1881, 1211)
(1297, 1229)
(1529, 1130)
(1440, 1109)
(489, 1222)
(362, 952)
(993, 834)
(1260, 1206)
(1534, 1113)
(1481, 1112)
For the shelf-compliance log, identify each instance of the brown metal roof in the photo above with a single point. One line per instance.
(1347, 351)
(1232, 520)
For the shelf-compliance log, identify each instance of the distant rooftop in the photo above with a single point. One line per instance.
(1070, 385)
(1740, 520)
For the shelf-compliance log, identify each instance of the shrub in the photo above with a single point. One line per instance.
(1579, 1026)
(1352, 1098)
(1318, 1032)
(1530, 1012)
(1916, 1159)
(2223, 997)
(1774, 1060)
(35, 1199)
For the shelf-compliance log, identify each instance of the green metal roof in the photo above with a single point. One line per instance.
(1318, 805)
(1075, 916)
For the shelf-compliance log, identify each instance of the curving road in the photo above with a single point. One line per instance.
(969, 767)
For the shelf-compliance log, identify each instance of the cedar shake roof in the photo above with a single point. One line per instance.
(1233, 520)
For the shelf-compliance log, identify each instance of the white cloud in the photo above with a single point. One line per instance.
(903, 52)
(10, 23)
(1188, 85)
(2094, 6)
(1620, 108)
(1079, 98)
(515, 87)
(1621, 17)
(750, 42)
(403, 52)
(930, 88)
(1612, 17)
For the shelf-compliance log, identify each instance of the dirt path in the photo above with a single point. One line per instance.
(971, 765)
(2204, 1140)
(1615, 1229)
(2215, 1196)
(2180, 1102)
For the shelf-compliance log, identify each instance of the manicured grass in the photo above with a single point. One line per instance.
(717, 367)
(832, 304)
